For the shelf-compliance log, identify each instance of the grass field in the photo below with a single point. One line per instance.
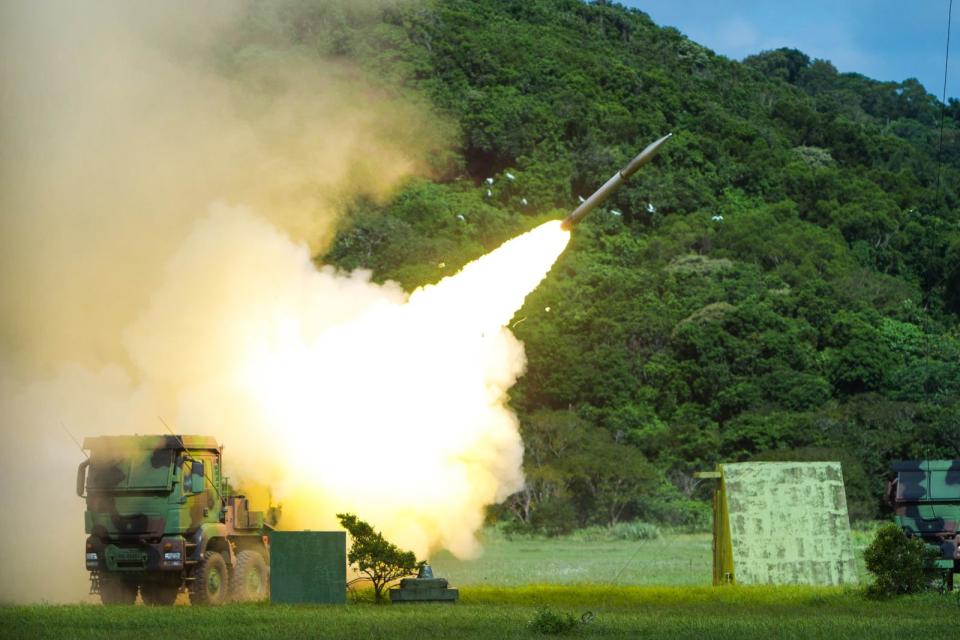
(502, 591)
(669, 561)
(484, 612)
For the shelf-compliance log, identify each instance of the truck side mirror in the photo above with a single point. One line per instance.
(82, 477)
(890, 495)
(196, 476)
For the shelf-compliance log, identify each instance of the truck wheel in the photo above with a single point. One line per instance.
(162, 594)
(211, 580)
(117, 590)
(250, 581)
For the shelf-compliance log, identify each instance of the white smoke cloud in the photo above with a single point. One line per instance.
(121, 122)
(133, 289)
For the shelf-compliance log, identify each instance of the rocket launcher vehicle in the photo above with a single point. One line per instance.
(614, 183)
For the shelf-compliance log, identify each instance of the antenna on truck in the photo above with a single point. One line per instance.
(179, 439)
(75, 441)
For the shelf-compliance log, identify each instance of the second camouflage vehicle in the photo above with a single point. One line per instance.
(160, 520)
(925, 496)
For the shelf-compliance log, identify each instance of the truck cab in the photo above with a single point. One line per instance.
(160, 519)
(925, 496)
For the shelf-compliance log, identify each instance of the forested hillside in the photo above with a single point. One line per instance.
(783, 282)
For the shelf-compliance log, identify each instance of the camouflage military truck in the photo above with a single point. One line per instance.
(925, 496)
(160, 520)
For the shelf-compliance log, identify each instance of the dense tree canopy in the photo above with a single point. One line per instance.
(783, 282)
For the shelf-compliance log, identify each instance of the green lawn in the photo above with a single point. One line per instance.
(671, 560)
(502, 591)
(484, 612)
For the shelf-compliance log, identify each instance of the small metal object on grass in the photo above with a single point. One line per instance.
(424, 588)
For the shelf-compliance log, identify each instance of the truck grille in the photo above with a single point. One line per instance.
(131, 524)
(121, 559)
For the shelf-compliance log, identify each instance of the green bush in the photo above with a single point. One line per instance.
(551, 622)
(633, 531)
(553, 517)
(899, 564)
(677, 513)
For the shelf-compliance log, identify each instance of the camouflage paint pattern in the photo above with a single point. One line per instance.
(925, 496)
(782, 523)
(146, 498)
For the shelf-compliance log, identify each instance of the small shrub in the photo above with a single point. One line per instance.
(380, 561)
(553, 517)
(679, 514)
(632, 531)
(899, 564)
(548, 621)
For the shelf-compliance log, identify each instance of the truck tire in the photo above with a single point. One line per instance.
(162, 593)
(117, 590)
(211, 580)
(250, 581)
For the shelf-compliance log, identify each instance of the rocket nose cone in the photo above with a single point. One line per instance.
(656, 143)
(644, 156)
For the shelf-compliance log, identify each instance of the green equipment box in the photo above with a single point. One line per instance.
(308, 567)
(781, 523)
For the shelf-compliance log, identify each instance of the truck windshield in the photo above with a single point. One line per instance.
(138, 470)
(927, 486)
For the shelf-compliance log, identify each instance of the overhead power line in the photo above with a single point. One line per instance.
(943, 103)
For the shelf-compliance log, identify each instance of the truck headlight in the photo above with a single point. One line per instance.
(91, 557)
(172, 556)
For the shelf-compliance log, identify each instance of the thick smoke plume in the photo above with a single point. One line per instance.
(168, 170)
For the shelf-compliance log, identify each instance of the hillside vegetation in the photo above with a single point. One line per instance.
(783, 282)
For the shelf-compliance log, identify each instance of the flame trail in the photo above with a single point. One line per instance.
(400, 413)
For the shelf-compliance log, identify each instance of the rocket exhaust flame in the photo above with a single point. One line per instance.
(414, 390)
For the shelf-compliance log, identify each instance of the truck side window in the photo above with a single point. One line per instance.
(192, 471)
(196, 476)
(912, 485)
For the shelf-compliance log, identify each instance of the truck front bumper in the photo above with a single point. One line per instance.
(165, 555)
